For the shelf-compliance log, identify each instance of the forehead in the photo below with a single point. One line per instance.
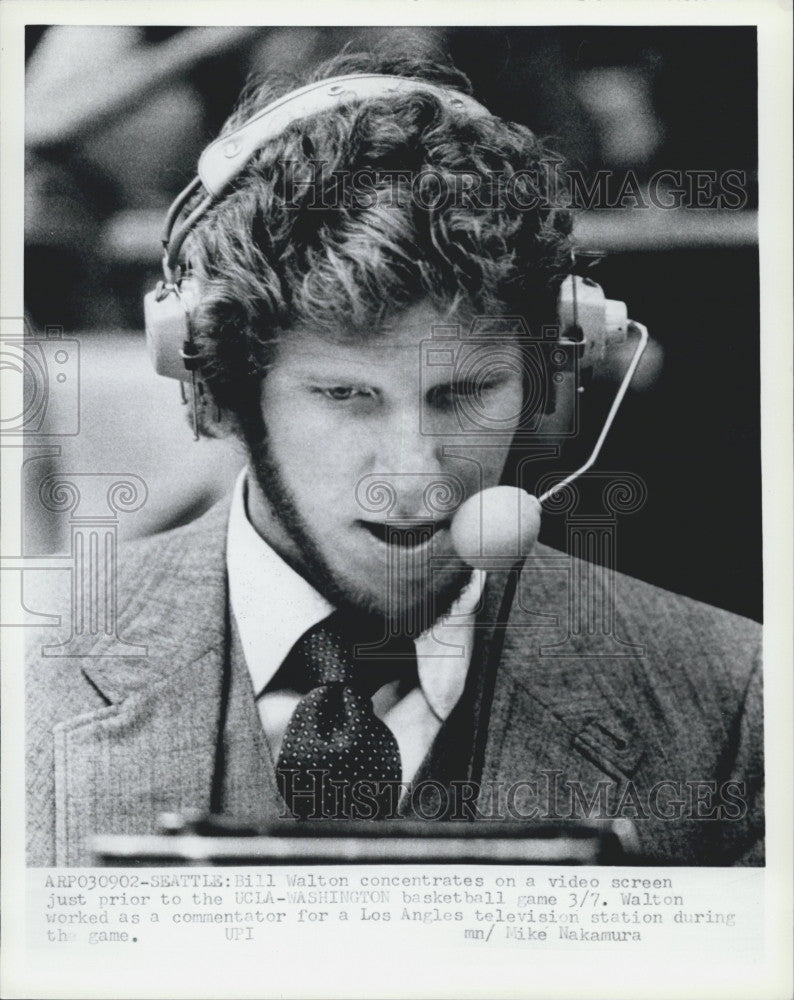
(412, 336)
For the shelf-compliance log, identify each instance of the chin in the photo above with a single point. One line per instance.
(403, 612)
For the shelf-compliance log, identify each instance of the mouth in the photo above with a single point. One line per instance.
(404, 534)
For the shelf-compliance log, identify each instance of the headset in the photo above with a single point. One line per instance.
(587, 320)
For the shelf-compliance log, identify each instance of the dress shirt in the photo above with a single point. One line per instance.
(273, 606)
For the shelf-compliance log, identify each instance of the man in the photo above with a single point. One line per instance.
(317, 647)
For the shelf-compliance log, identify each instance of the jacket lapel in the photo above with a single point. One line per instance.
(557, 719)
(151, 751)
(250, 793)
(152, 747)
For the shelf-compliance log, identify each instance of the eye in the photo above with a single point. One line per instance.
(340, 393)
(444, 395)
(344, 393)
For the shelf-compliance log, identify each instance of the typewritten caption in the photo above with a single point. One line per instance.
(528, 907)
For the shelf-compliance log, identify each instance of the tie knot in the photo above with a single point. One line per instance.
(333, 652)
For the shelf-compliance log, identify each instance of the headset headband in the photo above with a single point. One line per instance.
(228, 155)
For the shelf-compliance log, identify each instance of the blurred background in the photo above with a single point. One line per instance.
(116, 118)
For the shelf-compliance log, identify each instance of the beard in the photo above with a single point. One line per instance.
(407, 606)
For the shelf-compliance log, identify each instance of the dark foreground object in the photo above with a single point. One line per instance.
(210, 840)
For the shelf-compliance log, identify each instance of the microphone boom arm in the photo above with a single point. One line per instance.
(622, 390)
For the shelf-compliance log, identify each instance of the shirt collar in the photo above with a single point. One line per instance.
(273, 606)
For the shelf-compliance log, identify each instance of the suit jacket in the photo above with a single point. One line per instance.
(607, 697)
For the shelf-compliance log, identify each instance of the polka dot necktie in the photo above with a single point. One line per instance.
(338, 759)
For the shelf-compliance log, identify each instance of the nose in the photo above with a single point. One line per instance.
(408, 462)
(408, 447)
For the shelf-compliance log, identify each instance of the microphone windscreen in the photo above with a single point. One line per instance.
(502, 522)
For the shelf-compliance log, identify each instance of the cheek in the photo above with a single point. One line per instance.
(292, 427)
(482, 467)
(490, 452)
(515, 400)
(492, 465)
(316, 459)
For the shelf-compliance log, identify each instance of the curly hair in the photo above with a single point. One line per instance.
(294, 243)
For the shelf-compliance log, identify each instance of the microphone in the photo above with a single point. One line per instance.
(502, 522)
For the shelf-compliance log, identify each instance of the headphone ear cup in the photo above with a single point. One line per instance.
(166, 311)
(601, 322)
